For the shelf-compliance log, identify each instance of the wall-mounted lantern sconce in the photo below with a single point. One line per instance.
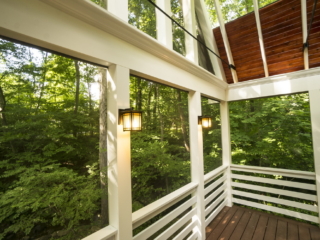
(130, 119)
(205, 121)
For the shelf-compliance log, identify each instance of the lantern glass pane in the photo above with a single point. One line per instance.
(206, 122)
(126, 120)
(136, 121)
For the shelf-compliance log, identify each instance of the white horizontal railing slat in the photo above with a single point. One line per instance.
(278, 210)
(215, 184)
(274, 171)
(186, 230)
(146, 233)
(215, 203)
(174, 227)
(276, 182)
(215, 212)
(106, 233)
(213, 174)
(215, 194)
(307, 207)
(146, 213)
(275, 191)
(194, 236)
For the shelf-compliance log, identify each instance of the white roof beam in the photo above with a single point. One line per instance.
(209, 38)
(261, 43)
(225, 40)
(304, 33)
(189, 17)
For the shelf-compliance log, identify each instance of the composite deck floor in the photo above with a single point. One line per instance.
(239, 223)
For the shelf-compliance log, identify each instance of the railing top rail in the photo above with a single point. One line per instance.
(211, 175)
(103, 234)
(274, 171)
(144, 214)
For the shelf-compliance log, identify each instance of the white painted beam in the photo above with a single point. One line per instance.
(304, 32)
(261, 43)
(189, 18)
(225, 39)
(314, 98)
(196, 154)
(204, 22)
(119, 8)
(119, 157)
(226, 147)
(164, 24)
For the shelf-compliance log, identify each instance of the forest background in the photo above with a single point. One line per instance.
(51, 145)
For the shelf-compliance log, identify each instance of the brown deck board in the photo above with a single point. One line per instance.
(238, 231)
(249, 231)
(293, 231)
(261, 228)
(281, 230)
(222, 224)
(240, 223)
(216, 221)
(232, 225)
(315, 235)
(304, 233)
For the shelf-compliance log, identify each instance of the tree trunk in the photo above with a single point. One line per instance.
(183, 125)
(3, 104)
(103, 157)
(76, 103)
(160, 115)
(138, 94)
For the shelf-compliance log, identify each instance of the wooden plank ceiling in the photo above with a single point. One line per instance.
(282, 34)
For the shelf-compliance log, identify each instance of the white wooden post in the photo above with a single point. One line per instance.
(119, 8)
(189, 17)
(314, 96)
(164, 24)
(196, 154)
(119, 162)
(226, 146)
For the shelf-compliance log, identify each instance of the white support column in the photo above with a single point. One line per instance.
(314, 96)
(196, 150)
(119, 159)
(119, 8)
(304, 32)
(189, 17)
(209, 38)
(226, 146)
(261, 43)
(164, 24)
(225, 39)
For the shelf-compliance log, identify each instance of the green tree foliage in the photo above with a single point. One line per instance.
(142, 15)
(178, 33)
(160, 153)
(232, 9)
(272, 132)
(212, 148)
(48, 145)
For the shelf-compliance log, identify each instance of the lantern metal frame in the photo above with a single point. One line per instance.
(131, 112)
